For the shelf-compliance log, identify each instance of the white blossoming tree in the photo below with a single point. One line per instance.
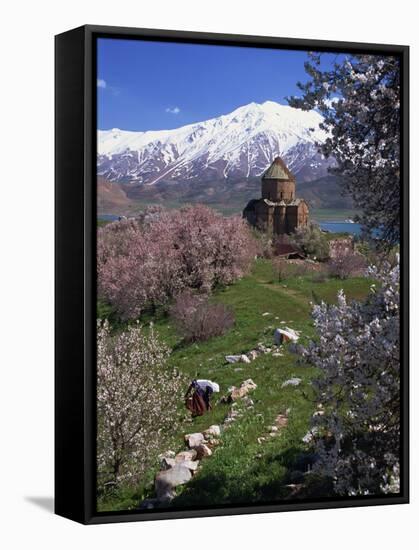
(357, 430)
(137, 402)
(360, 100)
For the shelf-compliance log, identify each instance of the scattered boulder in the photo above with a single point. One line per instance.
(244, 359)
(282, 335)
(203, 451)
(261, 348)
(186, 455)
(291, 382)
(194, 440)
(167, 480)
(233, 358)
(238, 393)
(253, 354)
(212, 431)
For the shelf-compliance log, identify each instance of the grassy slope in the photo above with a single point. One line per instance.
(242, 470)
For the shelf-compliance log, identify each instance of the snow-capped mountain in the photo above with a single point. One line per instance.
(240, 144)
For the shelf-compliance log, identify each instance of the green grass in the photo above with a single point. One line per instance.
(242, 470)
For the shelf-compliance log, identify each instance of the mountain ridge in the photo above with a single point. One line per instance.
(239, 144)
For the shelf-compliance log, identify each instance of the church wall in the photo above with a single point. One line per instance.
(264, 216)
(277, 190)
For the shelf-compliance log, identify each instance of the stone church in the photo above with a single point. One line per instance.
(278, 211)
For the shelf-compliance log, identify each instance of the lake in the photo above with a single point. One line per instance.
(341, 227)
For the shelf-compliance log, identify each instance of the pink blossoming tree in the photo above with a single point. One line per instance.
(143, 265)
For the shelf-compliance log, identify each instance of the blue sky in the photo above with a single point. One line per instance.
(155, 85)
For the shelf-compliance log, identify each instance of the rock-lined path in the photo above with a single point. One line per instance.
(178, 469)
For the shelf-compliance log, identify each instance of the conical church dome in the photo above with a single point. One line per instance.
(278, 171)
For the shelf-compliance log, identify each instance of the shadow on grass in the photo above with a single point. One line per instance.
(272, 478)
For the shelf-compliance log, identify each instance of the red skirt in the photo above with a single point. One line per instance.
(196, 404)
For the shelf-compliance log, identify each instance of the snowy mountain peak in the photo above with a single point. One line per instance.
(239, 144)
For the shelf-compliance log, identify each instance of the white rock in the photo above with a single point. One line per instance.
(167, 480)
(291, 382)
(252, 354)
(213, 430)
(193, 440)
(244, 359)
(286, 334)
(186, 455)
(232, 358)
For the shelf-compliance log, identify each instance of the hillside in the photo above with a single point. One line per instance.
(249, 465)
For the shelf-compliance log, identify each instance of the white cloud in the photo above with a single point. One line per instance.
(173, 110)
(101, 83)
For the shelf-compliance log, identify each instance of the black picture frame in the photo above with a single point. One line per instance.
(75, 283)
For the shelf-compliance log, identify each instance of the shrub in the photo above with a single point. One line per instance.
(143, 265)
(137, 399)
(312, 241)
(358, 354)
(343, 265)
(198, 320)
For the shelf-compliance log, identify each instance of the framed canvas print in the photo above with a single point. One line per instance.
(231, 274)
